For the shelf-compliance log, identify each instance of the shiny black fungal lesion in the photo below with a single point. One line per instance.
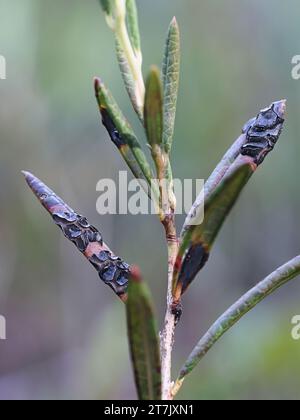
(194, 261)
(114, 134)
(262, 134)
(112, 270)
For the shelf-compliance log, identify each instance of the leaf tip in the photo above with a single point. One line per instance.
(174, 22)
(135, 274)
(280, 108)
(29, 177)
(97, 84)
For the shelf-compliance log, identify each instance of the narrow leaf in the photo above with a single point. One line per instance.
(263, 289)
(134, 89)
(215, 178)
(153, 112)
(143, 339)
(133, 26)
(122, 134)
(198, 239)
(88, 240)
(171, 69)
(121, 17)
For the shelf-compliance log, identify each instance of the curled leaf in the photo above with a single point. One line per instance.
(143, 339)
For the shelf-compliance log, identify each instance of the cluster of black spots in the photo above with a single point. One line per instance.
(262, 134)
(112, 269)
(77, 229)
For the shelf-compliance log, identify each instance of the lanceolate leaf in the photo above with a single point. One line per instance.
(143, 339)
(133, 26)
(153, 108)
(122, 134)
(214, 179)
(197, 240)
(171, 69)
(263, 289)
(121, 16)
(134, 91)
(111, 269)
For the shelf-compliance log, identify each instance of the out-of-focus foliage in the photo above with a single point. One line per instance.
(66, 333)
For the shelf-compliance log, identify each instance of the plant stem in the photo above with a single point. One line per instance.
(167, 335)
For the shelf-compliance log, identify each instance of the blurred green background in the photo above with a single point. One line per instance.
(66, 331)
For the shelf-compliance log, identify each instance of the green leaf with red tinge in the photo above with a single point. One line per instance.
(143, 339)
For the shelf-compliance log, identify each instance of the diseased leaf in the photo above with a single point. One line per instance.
(214, 179)
(133, 25)
(247, 302)
(88, 240)
(198, 238)
(171, 69)
(143, 339)
(122, 134)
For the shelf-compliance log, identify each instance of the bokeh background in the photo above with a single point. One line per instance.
(66, 331)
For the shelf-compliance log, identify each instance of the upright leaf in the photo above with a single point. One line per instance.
(214, 179)
(133, 26)
(153, 108)
(197, 240)
(121, 16)
(171, 70)
(143, 339)
(132, 80)
(122, 134)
